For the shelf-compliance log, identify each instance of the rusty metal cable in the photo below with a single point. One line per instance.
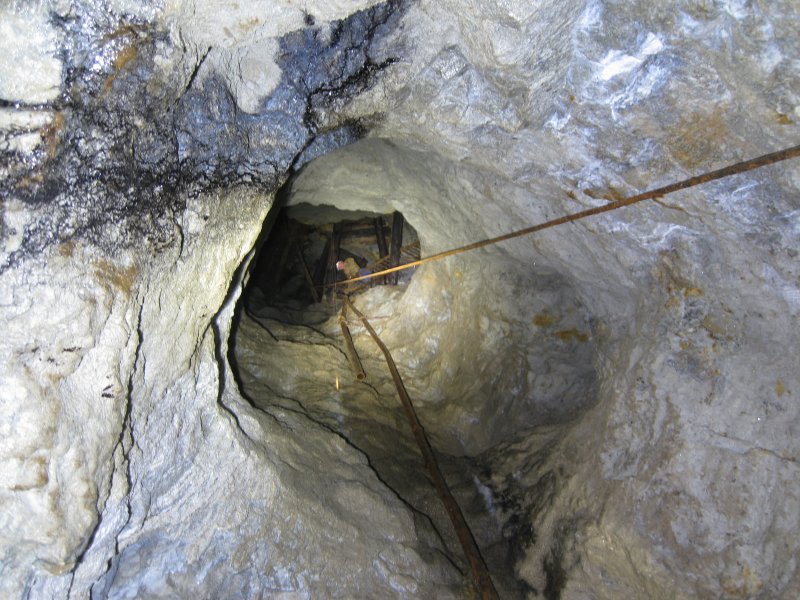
(480, 573)
(735, 169)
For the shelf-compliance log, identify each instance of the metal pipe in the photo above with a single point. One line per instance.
(350, 349)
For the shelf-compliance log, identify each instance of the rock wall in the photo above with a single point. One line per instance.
(135, 185)
(679, 481)
(141, 148)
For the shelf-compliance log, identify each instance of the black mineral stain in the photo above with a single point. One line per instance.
(556, 577)
(556, 564)
(133, 142)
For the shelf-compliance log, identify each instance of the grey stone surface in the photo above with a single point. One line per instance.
(141, 147)
(643, 496)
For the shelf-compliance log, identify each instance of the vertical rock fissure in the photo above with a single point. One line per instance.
(124, 445)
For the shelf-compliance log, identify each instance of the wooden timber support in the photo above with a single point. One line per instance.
(383, 249)
(322, 267)
(333, 256)
(480, 573)
(411, 251)
(307, 275)
(397, 240)
(287, 248)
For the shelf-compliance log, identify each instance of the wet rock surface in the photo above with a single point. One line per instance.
(638, 438)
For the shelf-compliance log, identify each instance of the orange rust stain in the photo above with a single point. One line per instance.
(697, 137)
(780, 388)
(715, 330)
(545, 320)
(120, 278)
(51, 134)
(67, 249)
(692, 292)
(249, 25)
(745, 585)
(124, 57)
(125, 30)
(611, 194)
(567, 335)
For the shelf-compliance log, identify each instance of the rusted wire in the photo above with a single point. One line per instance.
(741, 167)
(480, 573)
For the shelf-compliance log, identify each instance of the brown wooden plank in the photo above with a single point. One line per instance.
(322, 266)
(380, 234)
(348, 226)
(397, 240)
(364, 231)
(309, 279)
(331, 274)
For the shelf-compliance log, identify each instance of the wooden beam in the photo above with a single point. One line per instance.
(348, 226)
(322, 266)
(362, 231)
(362, 235)
(331, 274)
(397, 240)
(307, 275)
(291, 230)
(380, 234)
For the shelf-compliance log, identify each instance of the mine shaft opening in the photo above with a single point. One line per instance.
(311, 252)
(496, 347)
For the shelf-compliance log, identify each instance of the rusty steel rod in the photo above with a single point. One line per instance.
(480, 573)
(350, 349)
(735, 169)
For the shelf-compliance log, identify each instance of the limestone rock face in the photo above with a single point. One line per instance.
(619, 395)
(690, 298)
